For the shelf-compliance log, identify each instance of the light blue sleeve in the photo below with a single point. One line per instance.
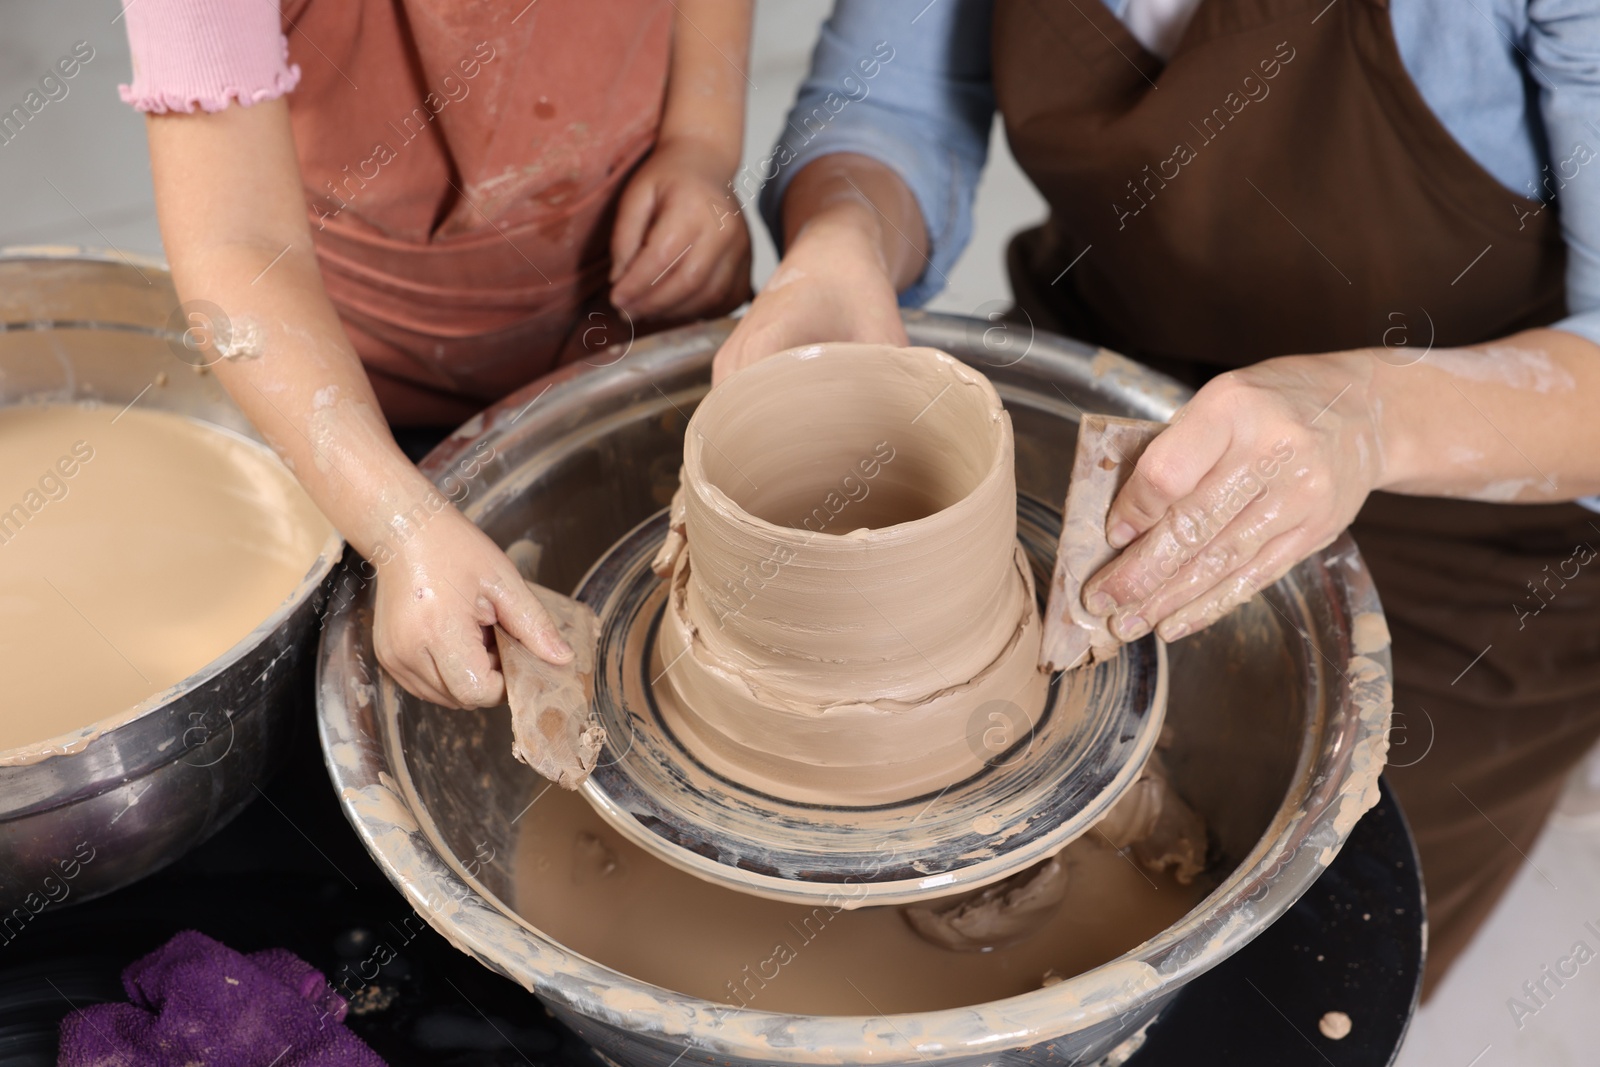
(1563, 45)
(905, 82)
(1564, 57)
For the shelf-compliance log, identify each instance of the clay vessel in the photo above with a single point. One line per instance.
(852, 591)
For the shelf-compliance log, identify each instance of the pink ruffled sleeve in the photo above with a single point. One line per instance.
(205, 54)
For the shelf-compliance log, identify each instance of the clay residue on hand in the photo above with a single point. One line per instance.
(1508, 365)
(552, 705)
(1509, 489)
(243, 340)
(1108, 449)
(846, 585)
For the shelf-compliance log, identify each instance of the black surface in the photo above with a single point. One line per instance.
(290, 872)
(1353, 944)
(417, 441)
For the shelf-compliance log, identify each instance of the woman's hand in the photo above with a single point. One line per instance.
(1264, 466)
(830, 287)
(437, 596)
(677, 252)
(855, 238)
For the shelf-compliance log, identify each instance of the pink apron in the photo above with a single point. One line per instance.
(462, 164)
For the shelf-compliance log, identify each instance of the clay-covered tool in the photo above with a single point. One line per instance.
(552, 706)
(1108, 449)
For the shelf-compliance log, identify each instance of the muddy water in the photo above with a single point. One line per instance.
(584, 886)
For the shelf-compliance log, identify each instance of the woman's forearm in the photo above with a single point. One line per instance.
(1516, 419)
(234, 225)
(1269, 463)
(847, 201)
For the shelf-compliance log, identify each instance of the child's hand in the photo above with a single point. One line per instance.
(680, 248)
(435, 599)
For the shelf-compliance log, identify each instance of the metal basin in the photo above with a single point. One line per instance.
(1279, 725)
(105, 807)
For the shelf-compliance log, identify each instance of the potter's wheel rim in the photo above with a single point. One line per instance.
(657, 793)
(1053, 379)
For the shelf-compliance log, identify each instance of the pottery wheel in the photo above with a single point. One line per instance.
(1037, 789)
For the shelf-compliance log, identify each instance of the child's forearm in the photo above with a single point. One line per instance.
(234, 226)
(708, 76)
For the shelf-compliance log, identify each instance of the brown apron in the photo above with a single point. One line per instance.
(462, 164)
(1278, 187)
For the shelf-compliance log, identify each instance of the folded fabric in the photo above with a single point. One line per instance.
(197, 1002)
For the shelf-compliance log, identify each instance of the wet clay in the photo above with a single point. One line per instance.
(585, 887)
(135, 547)
(1151, 819)
(996, 916)
(1150, 823)
(847, 590)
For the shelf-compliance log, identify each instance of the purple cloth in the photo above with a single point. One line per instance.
(197, 1001)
